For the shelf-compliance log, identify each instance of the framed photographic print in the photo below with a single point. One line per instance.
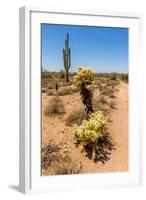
(79, 100)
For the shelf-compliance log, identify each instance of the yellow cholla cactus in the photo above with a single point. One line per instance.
(90, 130)
(84, 76)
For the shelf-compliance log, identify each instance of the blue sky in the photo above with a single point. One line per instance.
(104, 49)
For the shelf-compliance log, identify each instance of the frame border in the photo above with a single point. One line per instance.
(25, 85)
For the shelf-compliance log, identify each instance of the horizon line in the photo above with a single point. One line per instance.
(89, 67)
(99, 72)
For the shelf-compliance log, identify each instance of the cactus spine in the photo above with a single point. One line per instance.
(67, 57)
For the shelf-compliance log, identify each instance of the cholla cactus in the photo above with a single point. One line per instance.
(91, 130)
(84, 80)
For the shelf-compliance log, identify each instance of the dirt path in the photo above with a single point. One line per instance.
(119, 132)
(119, 129)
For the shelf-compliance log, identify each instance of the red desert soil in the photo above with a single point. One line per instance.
(54, 128)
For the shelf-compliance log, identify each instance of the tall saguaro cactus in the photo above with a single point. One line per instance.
(84, 81)
(67, 57)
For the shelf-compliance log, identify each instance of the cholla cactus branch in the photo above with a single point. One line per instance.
(84, 80)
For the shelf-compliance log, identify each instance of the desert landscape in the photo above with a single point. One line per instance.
(84, 107)
(62, 108)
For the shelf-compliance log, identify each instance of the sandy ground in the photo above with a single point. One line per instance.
(54, 128)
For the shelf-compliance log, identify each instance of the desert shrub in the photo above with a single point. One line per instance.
(112, 96)
(124, 77)
(115, 83)
(48, 154)
(62, 74)
(103, 80)
(102, 99)
(55, 107)
(108, 84)
(89, 132)
(50, 92)
(84, 81)
(100, 105)
(75, 90)
(65, 91)
(100, 87)
(65, 165)
(113, 76)
(44, 83)
(76, 117)
(46, 74)
(107, 91)
(68, 84)
(112, 104)
(44, 90)
(54, 162)
(51, 86)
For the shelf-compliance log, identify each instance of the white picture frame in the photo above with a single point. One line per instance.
(29, 160)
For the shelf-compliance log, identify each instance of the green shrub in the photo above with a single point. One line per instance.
(55, 107)
(76, 117)
(90, 130)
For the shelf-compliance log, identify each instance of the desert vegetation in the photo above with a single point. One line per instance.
(84, 120)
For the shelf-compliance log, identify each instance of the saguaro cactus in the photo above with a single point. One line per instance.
(67, 57)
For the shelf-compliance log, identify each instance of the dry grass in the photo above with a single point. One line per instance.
(67, 91)
(50, 92)
(76, 117)
(65, 165)
(54, 162)
(98, 105)
(115, 83)
(102, 99)
(107, 92)
(51, 85)
(44, 90)
(49, 153)
(55, 107)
